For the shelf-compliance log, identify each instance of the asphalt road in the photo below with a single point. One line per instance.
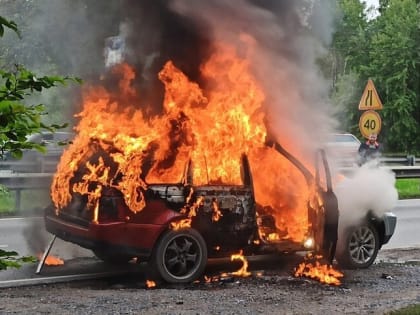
(407, 232)
(27, 236)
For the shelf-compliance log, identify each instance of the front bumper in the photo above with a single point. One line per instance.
(390, 222)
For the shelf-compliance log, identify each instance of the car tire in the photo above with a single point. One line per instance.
(112, 258)
(358, 247)
(180, 256)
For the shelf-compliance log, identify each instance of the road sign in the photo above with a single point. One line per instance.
(370, 98)
(370, 122)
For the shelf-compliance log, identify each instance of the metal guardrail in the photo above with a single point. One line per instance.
(400, 171)
(405, 171)
(409, 160)
(18, 182)
(403, 167)
(29, 166)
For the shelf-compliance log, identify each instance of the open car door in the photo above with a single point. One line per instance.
(322, 205)
(326, 232)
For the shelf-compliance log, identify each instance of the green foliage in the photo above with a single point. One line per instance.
(9, 24)
(408, 188)
(6, 200)
(350, 38)
(409, 310)
(395, 64)
(387, 50)
(18, 120)
(11, 259)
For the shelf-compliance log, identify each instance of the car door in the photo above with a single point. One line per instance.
(325, 214)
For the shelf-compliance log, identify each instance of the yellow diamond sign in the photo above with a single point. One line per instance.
(370, 98)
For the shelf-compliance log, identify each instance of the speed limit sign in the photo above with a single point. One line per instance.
(370, 122)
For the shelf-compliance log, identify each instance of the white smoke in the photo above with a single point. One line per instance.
(370, 188)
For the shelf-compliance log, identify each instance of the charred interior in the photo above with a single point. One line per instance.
(226, 215)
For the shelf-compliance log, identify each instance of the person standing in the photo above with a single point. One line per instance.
(369, 149)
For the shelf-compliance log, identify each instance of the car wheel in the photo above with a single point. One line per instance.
(111, 258)
(358, 247)
(180, 256)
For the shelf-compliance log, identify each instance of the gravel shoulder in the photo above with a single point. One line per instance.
(391, 283)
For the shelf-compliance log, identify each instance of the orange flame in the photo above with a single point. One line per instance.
(150, 284)
(243, 271)
(323, 273)
(211, 125)
(182, 224)
(273, 237)
(217, 214)
(52, 260)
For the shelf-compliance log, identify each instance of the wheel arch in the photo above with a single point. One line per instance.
(380, 229)
(157, 264)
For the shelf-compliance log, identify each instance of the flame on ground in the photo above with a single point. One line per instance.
(243, 271)
(316, 270)
(52, 260)
(150, 284)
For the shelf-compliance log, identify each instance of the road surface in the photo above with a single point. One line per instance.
(28, 236)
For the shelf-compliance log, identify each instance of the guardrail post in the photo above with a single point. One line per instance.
(411, 160)
(18, 200)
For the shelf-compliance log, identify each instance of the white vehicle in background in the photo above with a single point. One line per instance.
(343, 149)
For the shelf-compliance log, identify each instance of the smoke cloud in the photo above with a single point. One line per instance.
(369, 188)
(287, 37)
(283, 39)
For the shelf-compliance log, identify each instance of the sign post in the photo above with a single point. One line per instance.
(370, 121)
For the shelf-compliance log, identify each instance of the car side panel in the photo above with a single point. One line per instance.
(139, 231)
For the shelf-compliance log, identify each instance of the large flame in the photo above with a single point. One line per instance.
(120, 144)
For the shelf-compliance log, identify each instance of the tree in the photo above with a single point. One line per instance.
(18, 120)
(395, 68)
(349, 46)
(386, 49)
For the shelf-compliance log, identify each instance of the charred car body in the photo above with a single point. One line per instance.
(183, 224)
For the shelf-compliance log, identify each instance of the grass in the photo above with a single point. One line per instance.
(408, 188)
(7, 202)
(409, 310)
(32, 202)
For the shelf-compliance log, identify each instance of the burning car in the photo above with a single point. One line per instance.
(183, 224)
(200, 179)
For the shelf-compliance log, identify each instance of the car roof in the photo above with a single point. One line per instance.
(344, 137)
(51, 136)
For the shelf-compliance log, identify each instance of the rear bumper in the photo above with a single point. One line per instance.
(390, 222)
(119, 237)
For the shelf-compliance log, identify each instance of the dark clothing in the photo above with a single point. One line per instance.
(330, 226)
(369, 151)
